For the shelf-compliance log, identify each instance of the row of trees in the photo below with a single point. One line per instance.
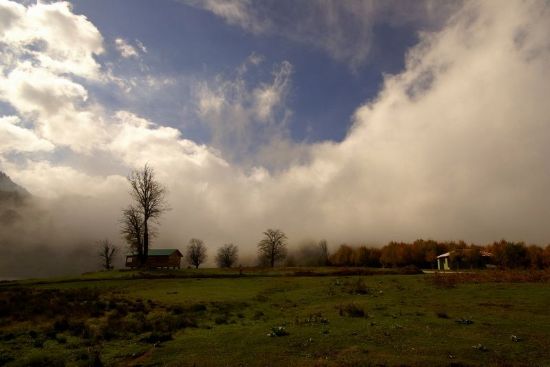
(271, 249)
(149, 203)
(226, 256)
(423, 253)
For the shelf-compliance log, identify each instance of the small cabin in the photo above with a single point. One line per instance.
(457, 258)
(443, 261)
(157, 258)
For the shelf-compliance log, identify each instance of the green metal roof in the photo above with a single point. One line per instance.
(162, 251)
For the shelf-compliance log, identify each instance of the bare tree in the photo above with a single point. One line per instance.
(227, 255)
(196, 252)
(324, 255)
(273, 246)
(149, 196)
(107, 253)
(132, 230)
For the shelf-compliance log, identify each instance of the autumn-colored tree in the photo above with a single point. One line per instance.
(508, 255)
(343, 256)
(472, 257)
(366, 256)
(430, 257)
(360, 256)
(535, 254)
(396, 254)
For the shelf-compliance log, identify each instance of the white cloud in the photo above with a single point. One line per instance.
(35, 90)
(127, 50)
(54, 103)
(14, 138)
(58, 39)
(234, 12)
(45, 45)
(138, 141)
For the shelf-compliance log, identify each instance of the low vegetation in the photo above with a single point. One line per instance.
(327, 317)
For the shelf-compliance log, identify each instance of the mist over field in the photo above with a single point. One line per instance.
(452, 146)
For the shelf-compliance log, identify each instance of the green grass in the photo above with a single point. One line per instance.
(407, 321)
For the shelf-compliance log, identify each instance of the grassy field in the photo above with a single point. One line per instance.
(264, 318)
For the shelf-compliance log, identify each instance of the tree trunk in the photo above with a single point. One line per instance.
(139, 249)
(145, 243)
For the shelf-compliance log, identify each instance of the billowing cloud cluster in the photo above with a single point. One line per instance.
(454, 147)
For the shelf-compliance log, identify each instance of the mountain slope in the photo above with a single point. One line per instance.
(8, 186)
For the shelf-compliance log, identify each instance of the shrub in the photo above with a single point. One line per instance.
(162, 322)
(76, 328)
(352, 310)
(197, 307)
(358, 287)
(41, 359)
(258, 315)
(176, 310)
(61, 325)
(157, 337)
(223, 319)
(5, 358)
(8, 336)
(135, 323)
(410, 270)
(278, 331)
(38, 343)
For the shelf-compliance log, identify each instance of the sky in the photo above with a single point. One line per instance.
(355, 121)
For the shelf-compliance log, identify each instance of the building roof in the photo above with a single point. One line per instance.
(161, 252)
(482, 253)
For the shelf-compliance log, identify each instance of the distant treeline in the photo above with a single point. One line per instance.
(423, 254)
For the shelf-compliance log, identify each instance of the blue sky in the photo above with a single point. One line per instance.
(185, 40)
